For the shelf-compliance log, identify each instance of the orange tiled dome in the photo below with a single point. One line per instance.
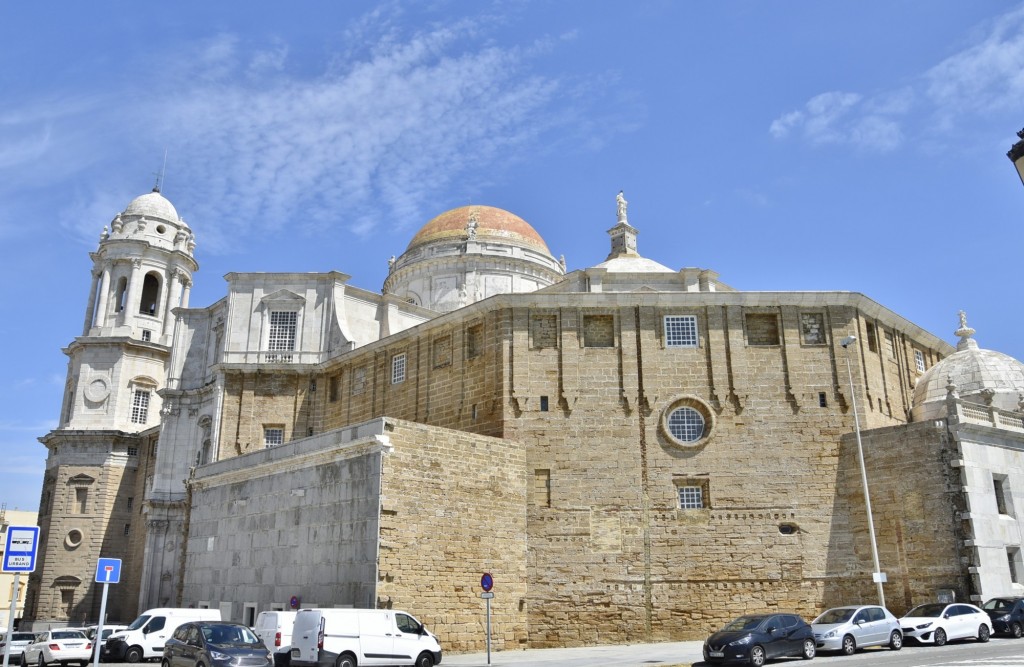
(492, 224)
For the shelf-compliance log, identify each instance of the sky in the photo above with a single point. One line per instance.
(854, 146)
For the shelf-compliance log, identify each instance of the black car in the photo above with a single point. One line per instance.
(215, 644)
(1007, 615)
(756, 638)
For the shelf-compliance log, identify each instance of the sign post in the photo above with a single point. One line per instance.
(487, 583)
(19, 556)
(108, 571)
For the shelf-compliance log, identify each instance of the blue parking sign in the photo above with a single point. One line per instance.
(108, 570)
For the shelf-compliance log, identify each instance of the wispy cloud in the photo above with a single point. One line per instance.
(367, 142)
(982, 78)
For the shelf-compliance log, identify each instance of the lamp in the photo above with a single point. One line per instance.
(877, 575)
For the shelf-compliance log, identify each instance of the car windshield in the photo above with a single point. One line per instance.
(229, 635)
(835, 616)
(998, 604)
(139, 622)
(933, 610)
(744, 623)
(22, 637)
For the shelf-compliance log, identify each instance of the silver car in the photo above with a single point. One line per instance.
(847, 629)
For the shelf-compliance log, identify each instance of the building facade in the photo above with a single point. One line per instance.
(633, 452)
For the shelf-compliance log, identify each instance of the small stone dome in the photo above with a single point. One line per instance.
(980, 376)
(152, 205)
(484, 223)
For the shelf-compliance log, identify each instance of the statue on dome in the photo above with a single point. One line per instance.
(472, 224)
(391, 263)
(561, 262)
(620, 205)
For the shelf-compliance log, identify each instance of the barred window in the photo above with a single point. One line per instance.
(273, 436)
(686, 424)
(282, 333)
(140, 406)
(680, 331)
(691, 498)
(398, 368)
(919, 360)
(133, 451)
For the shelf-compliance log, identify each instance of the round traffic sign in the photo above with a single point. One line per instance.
(487, 582)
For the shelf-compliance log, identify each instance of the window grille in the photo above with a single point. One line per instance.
(282, 334)
(686, 425)
(919, 360)
(140, 406)
(273, 436)
(398, 368)
(691, 498)
(680, 331)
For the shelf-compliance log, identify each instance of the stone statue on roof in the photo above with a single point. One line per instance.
(620, 205)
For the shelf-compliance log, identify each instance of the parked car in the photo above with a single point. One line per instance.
(16, 645)
(63, 646)
(753, 639)
(847, 629)
(1007, 615)
(215, 644)
(938, 622)
(108, 630)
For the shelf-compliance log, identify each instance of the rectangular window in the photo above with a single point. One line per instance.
(398, 368)
(890, 344)
(762, 329)
(140, 406)
(1004, 501)
(282, 334)
(273, 436)
(691, 498)
(147, 335)
(131, 501)
(598, 331)
(1013, 559)
(332, 387)
(869, 333)
(133, 451)
(543, 403)
(442, 351)
(82, 500)
(680, 331)
(822, 400)
(812, 328)
(919, 360)
(127, 528)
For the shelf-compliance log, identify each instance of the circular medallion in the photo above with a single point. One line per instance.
(97, 390)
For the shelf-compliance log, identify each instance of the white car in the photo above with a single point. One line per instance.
(847, 629)
(63, 646)
(18, 642)
(937, 622)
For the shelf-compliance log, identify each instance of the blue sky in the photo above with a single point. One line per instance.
(788, 146)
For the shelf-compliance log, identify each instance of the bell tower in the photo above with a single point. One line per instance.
(94, 487)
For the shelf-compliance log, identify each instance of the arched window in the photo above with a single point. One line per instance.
(150, 294)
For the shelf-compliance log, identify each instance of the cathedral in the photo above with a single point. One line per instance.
(634, 452)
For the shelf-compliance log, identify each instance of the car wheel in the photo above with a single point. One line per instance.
(757, 656)
(1016, 630)
(41, 662)
(425, 660)
(346, 660)
(849, 645)
(809, 649)
(134, 654)
(940, 637)
(165, 663)
(984, 634)
(896, 640)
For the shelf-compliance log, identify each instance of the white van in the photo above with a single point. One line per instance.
(274, 628)
(350, 637)
(145, 637)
